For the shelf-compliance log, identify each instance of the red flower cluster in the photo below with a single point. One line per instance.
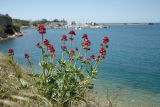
(72, 32)
(92, 56)
(71, 38)
(63, 38)
(38, 44)
(72, 51)
(51, 48)
(85, 36)
(10, 52)
(64, 47)
(87, 42)
(102, 51)
(86, 48)
(105, 40)
(46, 42)
(26, 55)
(41, 28)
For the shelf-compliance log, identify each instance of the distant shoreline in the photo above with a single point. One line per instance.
(100, 25)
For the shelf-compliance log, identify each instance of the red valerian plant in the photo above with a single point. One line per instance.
(68, 78)
(10, 52)
(29, 63)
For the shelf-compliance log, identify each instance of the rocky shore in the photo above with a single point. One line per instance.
(15, 35)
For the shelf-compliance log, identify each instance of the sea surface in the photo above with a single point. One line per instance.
(129, 76)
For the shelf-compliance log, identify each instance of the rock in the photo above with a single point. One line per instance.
(7, 28)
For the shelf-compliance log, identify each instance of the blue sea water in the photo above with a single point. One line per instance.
(132, 63)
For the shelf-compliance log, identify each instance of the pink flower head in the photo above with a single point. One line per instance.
(71, 51)
(102, 51)
(105, 40)
(85, 36)
(92, 56)
(63, 38)
(26, 55)
(86, 48)
(72, 32)
(64, 47)
(10, 51)
(46, 42)
(71, 38)
(38, 44)
(87, 42)
(51, 48)
(76, 49)
(41, 28)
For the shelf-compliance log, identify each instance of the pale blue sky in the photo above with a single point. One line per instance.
(84, 10)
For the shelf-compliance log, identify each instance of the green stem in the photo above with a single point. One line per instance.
(86, 54)
(43, 60)
(95, 65)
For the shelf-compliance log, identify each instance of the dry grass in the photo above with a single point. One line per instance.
(17, 88)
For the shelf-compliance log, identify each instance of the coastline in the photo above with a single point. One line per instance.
(15, 35)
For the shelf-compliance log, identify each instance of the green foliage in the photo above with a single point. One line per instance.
(21, 22)
(9, 29)
(16, 28)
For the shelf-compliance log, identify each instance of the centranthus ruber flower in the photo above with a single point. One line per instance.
(72, 32)
(46, 42)
(51, 48)
(26, 55)
(92, 56)
(105, 40)
(72, 52)
(10, 52)
(63, 38)
(85, 36)
(102, 51)
(71, 38)
(86, 48)
(41, 28)
(38, 44)
(64, 47)
(87, 42)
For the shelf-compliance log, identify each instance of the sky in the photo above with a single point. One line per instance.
(108, 11)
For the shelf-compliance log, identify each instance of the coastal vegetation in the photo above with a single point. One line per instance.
(65, 81)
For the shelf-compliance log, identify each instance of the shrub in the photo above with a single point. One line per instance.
(66, 79)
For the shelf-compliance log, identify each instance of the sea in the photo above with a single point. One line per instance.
(130, 74)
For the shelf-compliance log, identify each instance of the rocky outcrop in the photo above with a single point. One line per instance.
(7, 28)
